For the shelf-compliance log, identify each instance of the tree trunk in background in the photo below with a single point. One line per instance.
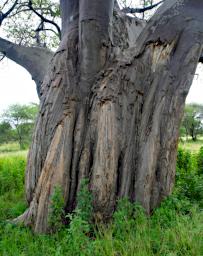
(111, 107)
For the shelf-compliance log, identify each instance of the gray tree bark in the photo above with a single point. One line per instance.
(111, 107)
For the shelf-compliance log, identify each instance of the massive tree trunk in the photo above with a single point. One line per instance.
(111, 107)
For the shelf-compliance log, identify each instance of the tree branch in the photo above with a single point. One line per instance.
(141, 10)
(5, 15)
(34, 59)
(44, 19)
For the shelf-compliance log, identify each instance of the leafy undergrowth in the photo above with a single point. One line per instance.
(174, 229)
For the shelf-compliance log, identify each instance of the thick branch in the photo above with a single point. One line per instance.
(35, 60)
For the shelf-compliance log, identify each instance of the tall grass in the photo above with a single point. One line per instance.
(189, 144)
(9, 147)
(12, 201)
(174, 229)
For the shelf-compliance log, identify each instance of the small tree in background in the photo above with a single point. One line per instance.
(192, 121)
(20, 119)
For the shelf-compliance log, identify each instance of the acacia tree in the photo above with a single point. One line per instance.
(21, 118)
(192, 120)
(111, 106)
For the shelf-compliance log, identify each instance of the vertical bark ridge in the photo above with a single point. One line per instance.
(58, 99)
(103, 181)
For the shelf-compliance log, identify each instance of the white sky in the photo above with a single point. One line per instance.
(16, 85)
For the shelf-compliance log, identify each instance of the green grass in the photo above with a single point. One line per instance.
(11, 149)
(174, 229)
(11, 186)
(15, 153)
(189, 144)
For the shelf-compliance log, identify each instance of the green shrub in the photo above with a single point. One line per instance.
(56, 211)
(186, 161)
(189, 180)
(78, 234)
(84, 202)
(200, 161)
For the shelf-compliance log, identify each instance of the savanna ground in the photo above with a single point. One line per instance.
(175, 228)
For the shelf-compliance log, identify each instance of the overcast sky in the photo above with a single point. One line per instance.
(16, 85)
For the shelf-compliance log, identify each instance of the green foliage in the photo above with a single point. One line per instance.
(17, 113)
(77, 235)
(24, 27)
(189, 179)
(84, 202)
(185, 160)
(200, 161)
(6, 134)
(56, 211)
(79, 230)
(12, 201)
(11, 174)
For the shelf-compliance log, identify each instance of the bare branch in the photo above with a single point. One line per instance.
(44, 19)
(6, 14)
(4, 4)
(141, 10)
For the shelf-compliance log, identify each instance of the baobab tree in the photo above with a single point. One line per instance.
(111, 105)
